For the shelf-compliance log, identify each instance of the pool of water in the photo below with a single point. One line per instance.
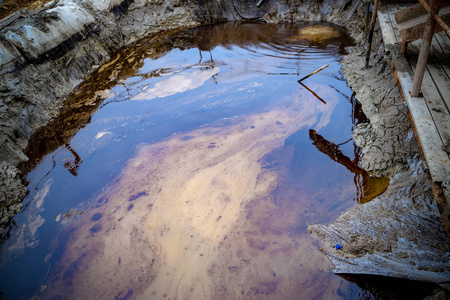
(189, 167)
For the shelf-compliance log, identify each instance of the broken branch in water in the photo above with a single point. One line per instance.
(315, 72)
(317, 96)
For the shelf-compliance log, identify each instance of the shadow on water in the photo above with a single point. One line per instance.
(186, 160)
(386, 288)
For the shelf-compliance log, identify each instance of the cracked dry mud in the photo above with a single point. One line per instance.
(400, 233)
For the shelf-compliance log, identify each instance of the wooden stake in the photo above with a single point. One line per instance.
(315, 72)
(372, 27)
(424, 49)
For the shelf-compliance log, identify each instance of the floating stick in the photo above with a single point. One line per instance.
(315, 72)
(259, 3)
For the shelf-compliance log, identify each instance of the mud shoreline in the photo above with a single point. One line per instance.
(388, 149)
(388, 146)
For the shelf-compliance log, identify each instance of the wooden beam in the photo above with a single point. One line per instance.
(436, 17)
(412, 28)
(424, 49)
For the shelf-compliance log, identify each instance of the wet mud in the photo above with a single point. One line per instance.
(400, 233)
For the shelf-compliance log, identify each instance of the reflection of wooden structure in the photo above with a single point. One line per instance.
(422, 70)
(367, 187)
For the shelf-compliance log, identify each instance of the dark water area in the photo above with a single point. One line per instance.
(161, 100)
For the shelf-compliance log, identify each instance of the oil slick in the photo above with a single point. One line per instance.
(318, 34)
(191, 202)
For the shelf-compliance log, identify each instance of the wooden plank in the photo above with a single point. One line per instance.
(435, 103)
(444, 57)
(440, 72)
(386, 28)
(391, 13)
(444, 41)
(410, 12)
(424, 50)
(438, 160)
(441, 81)
(436, 17)
(429, 138)
(436, 91)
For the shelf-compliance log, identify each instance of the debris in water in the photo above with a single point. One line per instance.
(315, 72)
(338, 247)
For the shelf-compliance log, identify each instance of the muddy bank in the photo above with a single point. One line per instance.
(40, 73)
(400, 233)
(47, 54)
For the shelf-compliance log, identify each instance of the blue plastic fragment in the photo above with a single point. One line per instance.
(338, 247)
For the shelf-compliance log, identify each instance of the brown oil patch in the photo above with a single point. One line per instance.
(319, 34)
(207, 226)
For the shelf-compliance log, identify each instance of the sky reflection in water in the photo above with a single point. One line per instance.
(195, 86)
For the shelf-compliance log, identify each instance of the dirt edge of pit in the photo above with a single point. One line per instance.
(28, 104)
(391, 235)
